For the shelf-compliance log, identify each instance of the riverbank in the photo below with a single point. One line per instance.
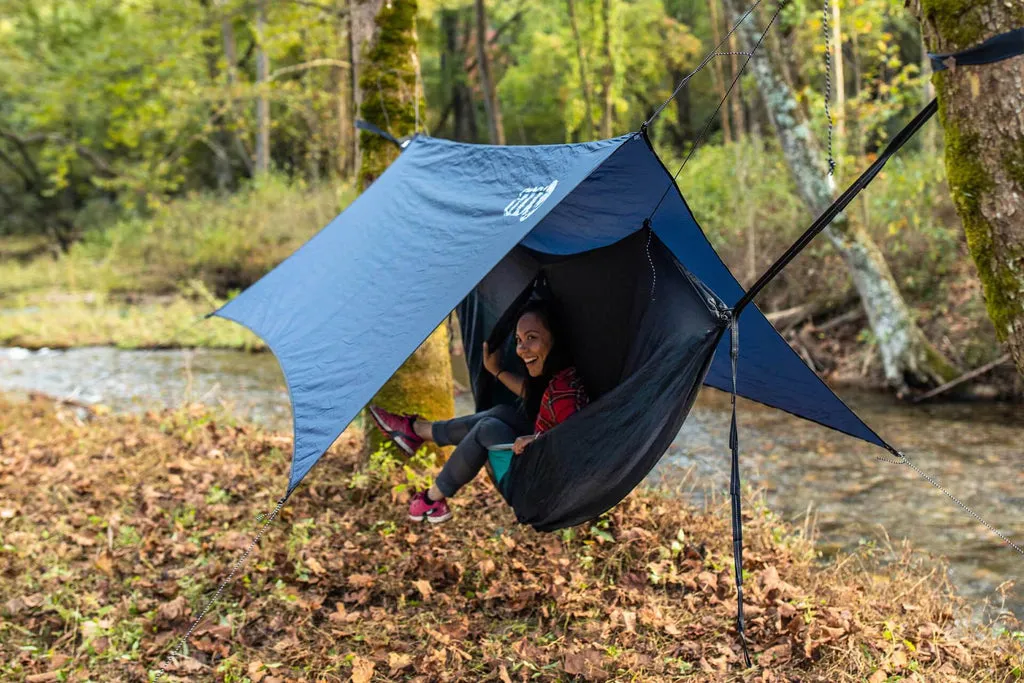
(116, 529)
(145, 281)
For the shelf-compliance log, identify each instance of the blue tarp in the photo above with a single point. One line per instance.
(344, 311)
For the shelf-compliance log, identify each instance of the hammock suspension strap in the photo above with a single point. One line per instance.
(735, 490)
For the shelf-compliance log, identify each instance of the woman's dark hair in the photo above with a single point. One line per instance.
(557, 359)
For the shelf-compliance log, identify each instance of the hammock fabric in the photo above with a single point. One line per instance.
(641, 355)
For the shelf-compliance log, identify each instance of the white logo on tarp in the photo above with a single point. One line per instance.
(529, 200)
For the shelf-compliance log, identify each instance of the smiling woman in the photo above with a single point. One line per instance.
(549, 393)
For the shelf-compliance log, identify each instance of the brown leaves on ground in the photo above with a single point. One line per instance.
(124, 527)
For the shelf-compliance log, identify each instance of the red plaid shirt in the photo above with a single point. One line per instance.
(564, 396)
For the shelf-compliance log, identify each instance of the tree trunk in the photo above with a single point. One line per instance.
(607, 71)
(982, 113)
(738, 122)
(581, 57)
(718, 71)
(907, 357)
(346, 98)
(840, 73)
(262, 160)
(384, 34)
(495, 126)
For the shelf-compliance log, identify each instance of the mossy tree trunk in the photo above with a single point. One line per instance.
(908, 358)
(982, 113)
(384, 33)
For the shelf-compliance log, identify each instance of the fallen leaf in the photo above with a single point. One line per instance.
(361, 580)
(105, 564)
(362, 670)
(315, 566)
(503, 675)
(423, 587)
(42, 678)
(898, 660)
(175, 609)
(878, 677)
(255, 671)
(398, 661)
(629, 619)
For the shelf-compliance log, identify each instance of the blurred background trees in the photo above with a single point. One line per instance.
(117, 115)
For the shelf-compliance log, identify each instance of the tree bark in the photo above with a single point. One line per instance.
(907, 357)
(607, 71)
(227, 33)
(346, 98)
(718, 70)
(384, 34)
(738, 122)
(495, 126)
(581, 58)
(262, 161)
(982, 114)
(840, 73)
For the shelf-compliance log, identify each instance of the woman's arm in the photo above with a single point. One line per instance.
(511, 380)
(492, 363)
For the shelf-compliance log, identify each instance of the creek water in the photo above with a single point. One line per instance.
(807, 472)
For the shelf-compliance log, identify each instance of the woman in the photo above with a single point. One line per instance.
(549, 393)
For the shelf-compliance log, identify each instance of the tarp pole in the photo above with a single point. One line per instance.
(839, 204)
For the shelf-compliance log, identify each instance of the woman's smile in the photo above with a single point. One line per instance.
(533, 343)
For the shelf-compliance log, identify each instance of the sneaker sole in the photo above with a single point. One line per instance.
(432, 520)
(398, 440)
(438, 520)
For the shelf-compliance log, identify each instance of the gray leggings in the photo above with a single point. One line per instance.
(472, 435)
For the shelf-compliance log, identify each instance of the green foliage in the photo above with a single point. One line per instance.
(126, 102)
(223, 241)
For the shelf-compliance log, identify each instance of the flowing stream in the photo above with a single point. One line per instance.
(809, 473)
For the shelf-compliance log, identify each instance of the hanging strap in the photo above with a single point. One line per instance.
(734, 491)
(838, 205)
(995, 49)
(370, 128)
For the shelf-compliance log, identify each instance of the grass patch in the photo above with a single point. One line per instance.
(115, 530)
(225, 241)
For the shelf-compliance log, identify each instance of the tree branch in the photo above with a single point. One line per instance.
(337, 11)
(29, 183)
(312, 64)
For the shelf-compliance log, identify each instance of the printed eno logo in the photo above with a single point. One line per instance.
(529, 200)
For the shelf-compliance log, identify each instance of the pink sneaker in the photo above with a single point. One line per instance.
(421, 507)
(398, 428)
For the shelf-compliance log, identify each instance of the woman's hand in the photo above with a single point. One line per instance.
(521, 443)
(492, 360)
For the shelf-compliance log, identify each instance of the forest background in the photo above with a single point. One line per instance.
(157, 157)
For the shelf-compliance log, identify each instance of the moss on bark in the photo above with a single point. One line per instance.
(388, 78)
(970, 181)
(957, 21)
(424, 383)
(388, 86)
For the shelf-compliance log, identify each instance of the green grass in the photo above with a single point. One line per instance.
(225, 241)
(146, 282)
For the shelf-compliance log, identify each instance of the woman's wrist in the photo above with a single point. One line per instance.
(497, 375)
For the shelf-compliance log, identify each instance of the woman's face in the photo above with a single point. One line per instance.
(533, 343)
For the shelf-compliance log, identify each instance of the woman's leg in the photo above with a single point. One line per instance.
(471, 455)
(452, 432)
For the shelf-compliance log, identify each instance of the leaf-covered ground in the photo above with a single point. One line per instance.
(114, 531)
